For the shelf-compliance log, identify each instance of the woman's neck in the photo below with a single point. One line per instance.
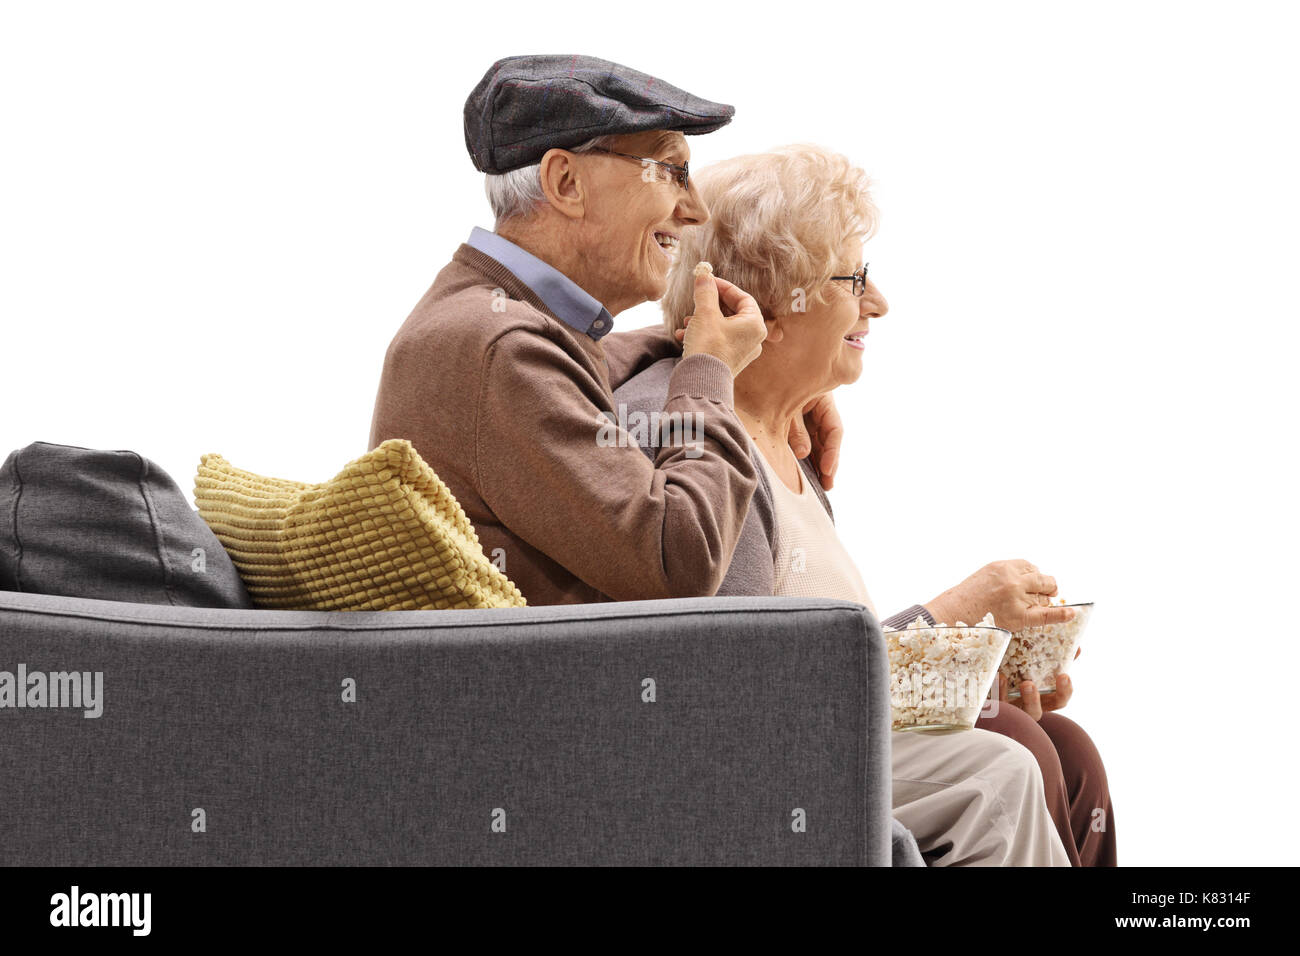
(767, 406)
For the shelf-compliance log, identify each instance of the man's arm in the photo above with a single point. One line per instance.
(579, 489)
(629, 353)
(632, 352)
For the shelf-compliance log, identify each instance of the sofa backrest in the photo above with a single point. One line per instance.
(702, 731)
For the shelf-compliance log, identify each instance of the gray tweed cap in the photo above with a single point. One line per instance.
(525, 105)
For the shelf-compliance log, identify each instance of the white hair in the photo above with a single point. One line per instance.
(777, 224)
(518, 192)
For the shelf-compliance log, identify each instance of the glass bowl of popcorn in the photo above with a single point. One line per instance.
(1038, 654)
(939, 674)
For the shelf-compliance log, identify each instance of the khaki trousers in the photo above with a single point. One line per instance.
(973, 798)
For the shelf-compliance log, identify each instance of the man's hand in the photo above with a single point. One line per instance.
(737, 339)
(1035, 704)
(1016, 592)
(819, 432)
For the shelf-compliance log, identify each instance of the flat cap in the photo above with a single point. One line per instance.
(525, 105)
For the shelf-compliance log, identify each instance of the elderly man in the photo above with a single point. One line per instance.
(502, 376)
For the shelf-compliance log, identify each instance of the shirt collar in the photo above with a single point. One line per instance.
(570, 303)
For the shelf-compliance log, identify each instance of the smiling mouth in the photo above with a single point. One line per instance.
(668, 243)
(855, 340)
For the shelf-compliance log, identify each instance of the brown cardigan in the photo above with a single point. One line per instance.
(501, 399)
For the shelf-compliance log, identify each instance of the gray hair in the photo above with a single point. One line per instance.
(518, 192)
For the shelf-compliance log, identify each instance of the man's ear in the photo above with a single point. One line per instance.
(564, 188)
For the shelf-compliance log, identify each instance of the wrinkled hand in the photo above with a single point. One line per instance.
(1032, 702)
(736, 339)
(819, 432)
(1016, 592)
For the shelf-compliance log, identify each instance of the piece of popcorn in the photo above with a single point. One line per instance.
(703, 268)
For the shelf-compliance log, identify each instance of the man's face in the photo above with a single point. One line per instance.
(635, 213)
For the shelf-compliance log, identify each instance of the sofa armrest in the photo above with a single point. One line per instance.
(514, 736)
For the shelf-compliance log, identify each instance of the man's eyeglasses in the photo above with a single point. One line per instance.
(859, 279)
(680, 174)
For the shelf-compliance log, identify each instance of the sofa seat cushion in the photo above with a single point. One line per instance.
(385, 534)
(109, 525)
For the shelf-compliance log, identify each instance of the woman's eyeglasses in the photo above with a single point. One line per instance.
(679, 174)
(859, 279)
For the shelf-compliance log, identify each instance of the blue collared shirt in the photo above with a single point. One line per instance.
(570, 303)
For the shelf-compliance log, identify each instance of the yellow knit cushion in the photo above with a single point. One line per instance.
(384, 535)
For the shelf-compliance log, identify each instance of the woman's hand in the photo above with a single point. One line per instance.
(1016, 592)
(1032, 702)
(1035, 704)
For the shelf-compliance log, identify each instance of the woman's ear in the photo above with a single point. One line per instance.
(562, 183)
(775, 326)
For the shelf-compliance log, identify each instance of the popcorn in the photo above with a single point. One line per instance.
(703, 268)
(940, 675)
(1038, 653)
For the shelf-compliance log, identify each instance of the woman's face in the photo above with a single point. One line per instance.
(824, 345)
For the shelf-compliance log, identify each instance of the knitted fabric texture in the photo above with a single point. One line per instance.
(385, 534)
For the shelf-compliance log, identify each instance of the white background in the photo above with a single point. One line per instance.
(216, 216)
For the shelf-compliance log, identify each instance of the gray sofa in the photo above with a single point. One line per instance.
(521, 736)
(721, 730)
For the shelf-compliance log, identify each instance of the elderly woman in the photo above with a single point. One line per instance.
(788, 227)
